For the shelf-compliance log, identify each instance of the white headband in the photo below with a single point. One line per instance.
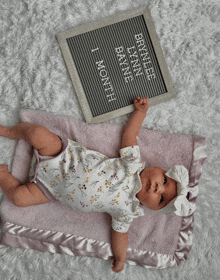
(180, 204)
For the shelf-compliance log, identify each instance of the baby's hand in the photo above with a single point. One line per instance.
(141, 104)
(118, 266)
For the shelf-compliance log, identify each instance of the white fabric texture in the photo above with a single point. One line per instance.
(180, 205)
(88, 181)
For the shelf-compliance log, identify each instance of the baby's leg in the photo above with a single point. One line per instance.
(20, 195)
(46, 142)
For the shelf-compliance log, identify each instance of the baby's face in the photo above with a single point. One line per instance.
(157, 188)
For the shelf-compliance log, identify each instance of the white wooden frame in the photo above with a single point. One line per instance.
(102, 23)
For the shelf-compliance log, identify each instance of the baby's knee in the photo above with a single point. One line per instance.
(18, 197)
(40, 136)
(28, 195)
(37, 132)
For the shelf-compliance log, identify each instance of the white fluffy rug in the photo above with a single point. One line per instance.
(33, 76)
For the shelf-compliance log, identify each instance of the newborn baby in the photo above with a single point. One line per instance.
(88, 181)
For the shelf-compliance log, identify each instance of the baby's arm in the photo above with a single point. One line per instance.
(119, 247)
(134, 124)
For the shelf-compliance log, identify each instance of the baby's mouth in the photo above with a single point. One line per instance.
(148, 185)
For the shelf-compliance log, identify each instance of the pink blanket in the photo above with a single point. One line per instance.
(155, 240)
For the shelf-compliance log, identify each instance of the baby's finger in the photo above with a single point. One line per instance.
(136, 100)
(145, 100)
(141, 101)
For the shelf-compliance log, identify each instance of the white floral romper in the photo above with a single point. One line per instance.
(88, 181)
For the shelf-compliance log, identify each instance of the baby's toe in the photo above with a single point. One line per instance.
(3, 167)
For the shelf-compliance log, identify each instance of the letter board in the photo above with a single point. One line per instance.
(113, 61)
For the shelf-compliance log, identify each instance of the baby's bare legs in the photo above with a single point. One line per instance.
(20, 195)
(47, 144)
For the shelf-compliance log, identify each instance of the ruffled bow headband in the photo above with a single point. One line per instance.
(180, 204)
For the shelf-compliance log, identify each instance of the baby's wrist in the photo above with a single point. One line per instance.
(142, 110)
(141, 113)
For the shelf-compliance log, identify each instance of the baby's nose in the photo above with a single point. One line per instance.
(159, 188)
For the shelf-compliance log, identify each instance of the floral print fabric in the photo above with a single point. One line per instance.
(88, 181)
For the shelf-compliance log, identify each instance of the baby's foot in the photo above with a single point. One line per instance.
(4, 174)
(4, 131)
(3, 168)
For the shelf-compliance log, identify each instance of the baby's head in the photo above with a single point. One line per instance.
(166, 191)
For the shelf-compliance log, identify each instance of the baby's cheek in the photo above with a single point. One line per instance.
(151, 201)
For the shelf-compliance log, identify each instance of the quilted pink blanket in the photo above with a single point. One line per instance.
(155, 240)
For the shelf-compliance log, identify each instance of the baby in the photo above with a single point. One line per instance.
(88, 181)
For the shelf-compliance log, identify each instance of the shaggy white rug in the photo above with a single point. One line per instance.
(33, 75)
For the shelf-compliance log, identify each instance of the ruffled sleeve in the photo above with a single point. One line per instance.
(121, 226)
(122, 223)
(131, 157)
(122, 220)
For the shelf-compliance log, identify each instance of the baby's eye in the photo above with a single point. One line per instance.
(161, 199)
(165, 180)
